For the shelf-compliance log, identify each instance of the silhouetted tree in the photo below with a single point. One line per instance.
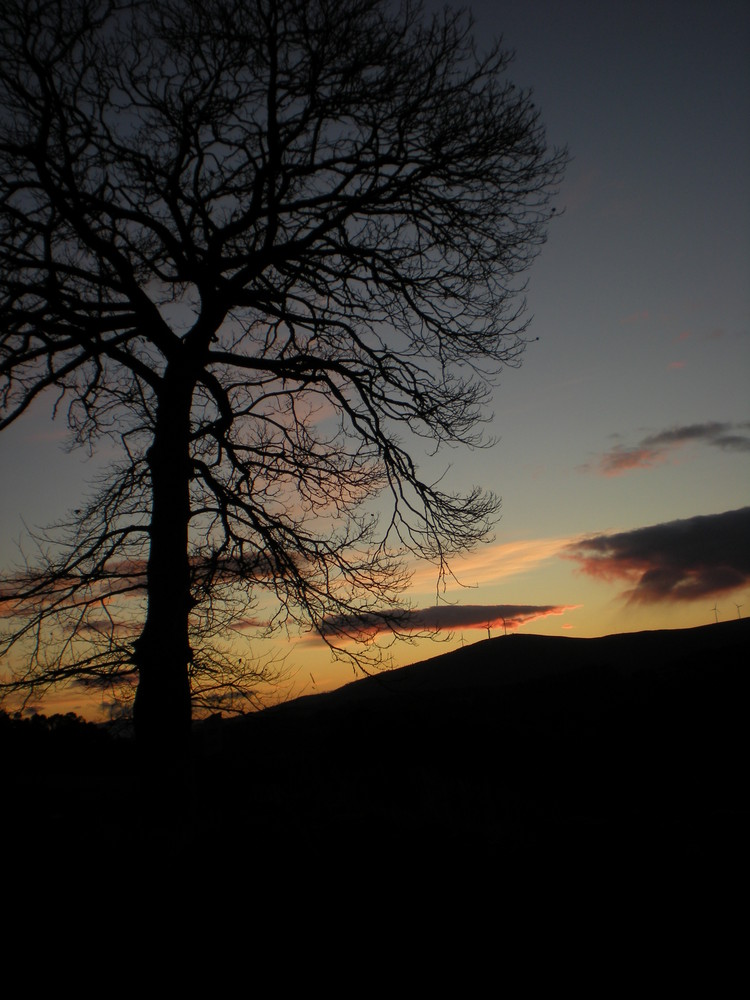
(264, 245)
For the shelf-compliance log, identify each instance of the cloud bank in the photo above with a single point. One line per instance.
(655, 448)
(446, 618)
(676, 561)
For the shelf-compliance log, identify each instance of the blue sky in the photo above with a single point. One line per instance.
(632, 411)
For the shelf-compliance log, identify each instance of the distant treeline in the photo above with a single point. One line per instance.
(57, 740)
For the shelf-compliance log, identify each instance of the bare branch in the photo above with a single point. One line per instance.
(266, 245)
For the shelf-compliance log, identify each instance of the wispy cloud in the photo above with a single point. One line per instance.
(620, 460)
(641, 316)
(655, 448)
(445, 618)
(492, 563)
(56, 434)
(676, 561)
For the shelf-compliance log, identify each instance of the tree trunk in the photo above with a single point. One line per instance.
(162, 710)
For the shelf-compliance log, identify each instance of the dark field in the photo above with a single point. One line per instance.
(629, 750)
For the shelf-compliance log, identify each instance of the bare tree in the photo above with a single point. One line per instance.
(266, 245)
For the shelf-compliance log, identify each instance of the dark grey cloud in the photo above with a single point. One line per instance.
(719, 434)
(445, 618)
(676, 561)
(654, 448)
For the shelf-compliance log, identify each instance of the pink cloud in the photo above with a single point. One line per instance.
(637, 317)
(53, 436)
(621, 460)
(579, 190)
(675, 365)
(655, 448)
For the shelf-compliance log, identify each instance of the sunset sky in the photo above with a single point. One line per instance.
(623, 457)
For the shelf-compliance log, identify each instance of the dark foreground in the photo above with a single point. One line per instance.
(628, 750)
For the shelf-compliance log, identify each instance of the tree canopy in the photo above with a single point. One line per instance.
(266, 246)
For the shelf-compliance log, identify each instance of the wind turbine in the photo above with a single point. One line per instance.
(716, 613)
(738, 606)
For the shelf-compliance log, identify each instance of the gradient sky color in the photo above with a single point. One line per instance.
(624, 439)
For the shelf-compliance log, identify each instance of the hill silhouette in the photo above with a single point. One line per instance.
(628, 749)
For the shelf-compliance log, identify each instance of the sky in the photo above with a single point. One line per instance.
(623, 453)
